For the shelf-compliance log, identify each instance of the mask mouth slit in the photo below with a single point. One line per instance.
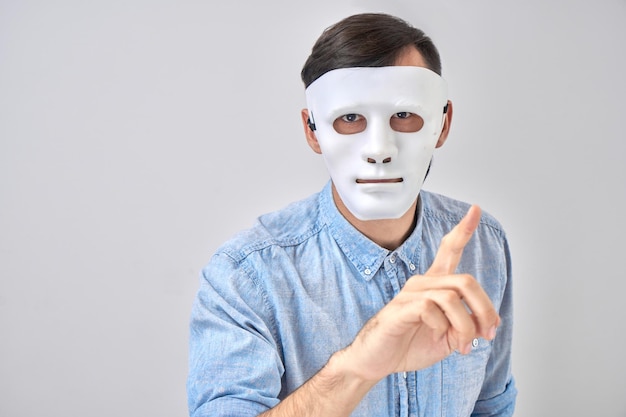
(380, 181)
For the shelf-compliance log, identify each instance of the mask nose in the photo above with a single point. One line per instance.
(380, 145)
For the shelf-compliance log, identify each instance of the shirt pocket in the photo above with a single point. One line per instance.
(462, 379)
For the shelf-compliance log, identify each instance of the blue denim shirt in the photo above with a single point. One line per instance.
(277, 300)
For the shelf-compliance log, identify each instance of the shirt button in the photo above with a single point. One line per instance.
(474, 342)
(412, 267)
(392, 259)
(367, 271)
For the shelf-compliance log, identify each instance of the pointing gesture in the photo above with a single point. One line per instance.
(431, 317)
(452, 244)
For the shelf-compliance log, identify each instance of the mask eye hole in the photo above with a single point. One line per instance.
(406, 122)
(349, 124)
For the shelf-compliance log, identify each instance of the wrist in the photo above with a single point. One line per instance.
(335, 391)
(342, 373)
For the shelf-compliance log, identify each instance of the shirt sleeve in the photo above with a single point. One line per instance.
(234, 363)
(498, 394)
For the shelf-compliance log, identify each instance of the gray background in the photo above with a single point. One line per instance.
(136, 136)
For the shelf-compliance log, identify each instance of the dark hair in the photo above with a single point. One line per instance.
(366, 40)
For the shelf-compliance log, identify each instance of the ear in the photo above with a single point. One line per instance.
(446, 126)
(308, 133)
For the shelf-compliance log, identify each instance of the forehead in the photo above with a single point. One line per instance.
(385, 86)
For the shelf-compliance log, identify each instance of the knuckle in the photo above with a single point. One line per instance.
(427, 304)
(449, 296)
(447, 244)
(492, 316)
(468, 331)
(466, 281)
(468, 327)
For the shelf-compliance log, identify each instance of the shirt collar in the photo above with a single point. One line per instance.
(365, 255)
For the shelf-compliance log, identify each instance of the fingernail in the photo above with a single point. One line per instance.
(468, 348)
(492, 333)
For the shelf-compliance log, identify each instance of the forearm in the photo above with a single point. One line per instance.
(334, 391)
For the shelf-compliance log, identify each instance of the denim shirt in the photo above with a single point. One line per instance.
(277, 300)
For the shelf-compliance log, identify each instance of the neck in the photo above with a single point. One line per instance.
(387, 233)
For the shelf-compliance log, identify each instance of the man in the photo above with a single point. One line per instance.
(371, 298)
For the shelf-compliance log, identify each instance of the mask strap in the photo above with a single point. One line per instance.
(443, 119)
(312, 124)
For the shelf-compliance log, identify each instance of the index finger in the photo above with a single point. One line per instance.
(452, 244)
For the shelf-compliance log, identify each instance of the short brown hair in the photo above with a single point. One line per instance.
(366, 40)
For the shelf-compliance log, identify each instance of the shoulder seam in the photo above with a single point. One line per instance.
(239, 255)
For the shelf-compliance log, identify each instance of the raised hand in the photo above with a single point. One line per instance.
(432, 316)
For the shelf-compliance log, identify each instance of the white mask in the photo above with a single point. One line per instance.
(379, 169)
